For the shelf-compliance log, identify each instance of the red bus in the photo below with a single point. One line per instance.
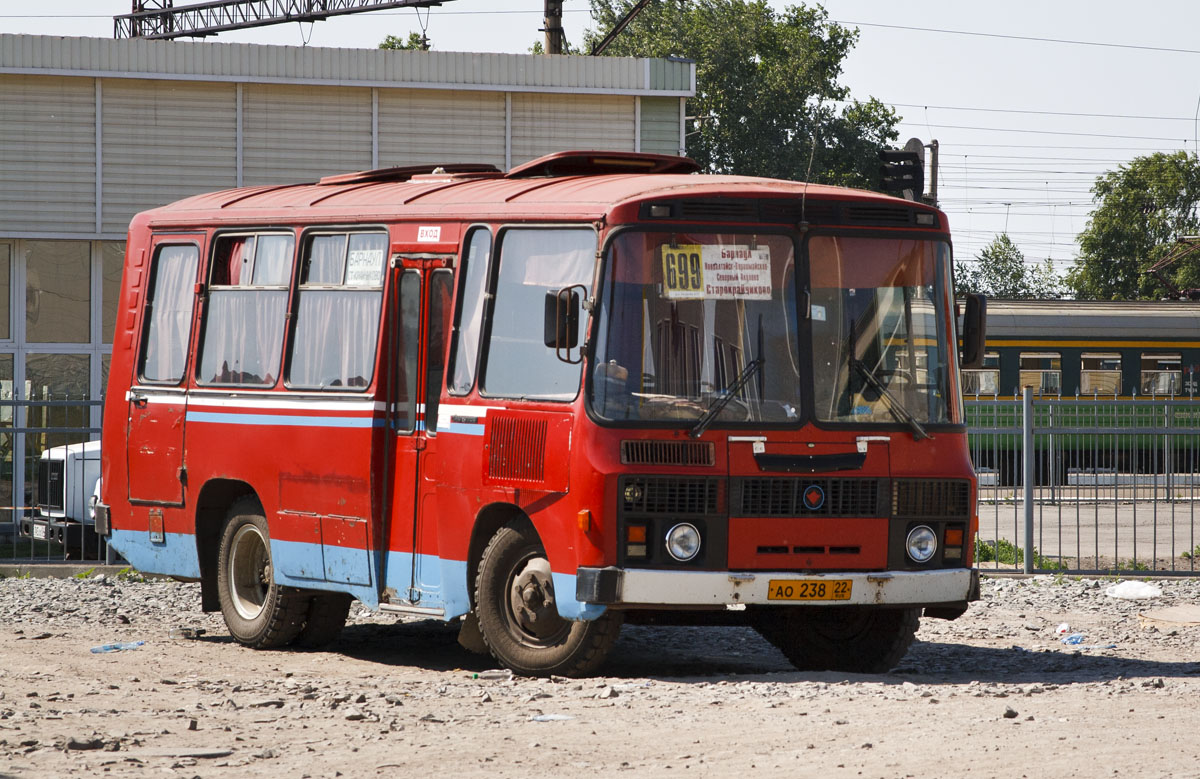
(599, 387)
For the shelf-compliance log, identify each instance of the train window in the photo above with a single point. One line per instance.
(1042, 371)
(985, 380)
(1100, 374)
(1161, 374)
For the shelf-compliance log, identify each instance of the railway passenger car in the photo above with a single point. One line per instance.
(1064, 348)
(1109, 366)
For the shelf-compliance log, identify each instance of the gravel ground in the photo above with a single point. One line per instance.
(994, 693)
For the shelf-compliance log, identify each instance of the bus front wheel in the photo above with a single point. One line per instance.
(850, 639)
(258, 612)
(518, 615)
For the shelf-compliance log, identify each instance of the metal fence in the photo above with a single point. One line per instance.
(29, 428)
(1095, 486)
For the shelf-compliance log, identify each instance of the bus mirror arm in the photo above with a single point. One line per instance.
(561, 321)
(974, 331)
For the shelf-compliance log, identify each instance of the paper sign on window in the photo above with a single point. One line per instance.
(695, 272)
(364, 268)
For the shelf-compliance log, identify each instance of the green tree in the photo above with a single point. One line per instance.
(766, 85)
(414, 42)
(1001, 271)
(1142, 208)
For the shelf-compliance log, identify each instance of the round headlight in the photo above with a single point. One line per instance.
(921, 544)
(683, 542)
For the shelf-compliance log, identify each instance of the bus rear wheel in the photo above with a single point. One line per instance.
(518, 614)
(850, 639)
(258, 612)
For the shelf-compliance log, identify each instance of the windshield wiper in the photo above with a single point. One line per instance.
(731, 391)
(894, 407)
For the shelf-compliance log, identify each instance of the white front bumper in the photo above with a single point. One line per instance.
(720, 588)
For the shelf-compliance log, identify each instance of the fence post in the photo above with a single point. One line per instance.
(1029, 472)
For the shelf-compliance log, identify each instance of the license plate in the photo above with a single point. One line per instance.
(809, 589)
(39, 532)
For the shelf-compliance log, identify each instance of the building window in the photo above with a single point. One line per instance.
(112, 264)
(1100, 374)
(1042, 371)
(247, 309)
(337, 318)
(5, 287)
(58, 300)
(985, 380)
(1162, 374)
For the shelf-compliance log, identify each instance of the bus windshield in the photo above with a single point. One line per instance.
(881, 347)
(690, 322)
(696, 324)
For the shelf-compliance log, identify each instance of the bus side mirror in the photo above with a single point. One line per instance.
(562, 320)
(974, 332)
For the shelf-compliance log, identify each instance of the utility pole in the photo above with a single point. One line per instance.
(553, 27)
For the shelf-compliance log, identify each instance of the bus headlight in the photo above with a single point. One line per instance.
(683, 542)
(921, 544)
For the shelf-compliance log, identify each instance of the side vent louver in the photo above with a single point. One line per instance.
(667, 453)
(517, 449)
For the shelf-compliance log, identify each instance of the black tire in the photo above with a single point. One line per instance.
(258, 612)
(531, 638)
(327, 612)
(851, 639)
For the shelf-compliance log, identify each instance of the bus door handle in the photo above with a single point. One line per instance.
(139, 401)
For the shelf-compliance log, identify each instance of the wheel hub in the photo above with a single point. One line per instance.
(531, 598)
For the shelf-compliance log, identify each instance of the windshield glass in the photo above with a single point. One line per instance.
(880, 344)
(684, 317)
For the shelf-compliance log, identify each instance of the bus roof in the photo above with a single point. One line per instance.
(566, 185)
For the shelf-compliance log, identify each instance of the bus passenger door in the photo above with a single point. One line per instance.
(420, 304)
(158, 395)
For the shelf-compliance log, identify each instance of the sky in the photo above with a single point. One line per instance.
(1029, 101)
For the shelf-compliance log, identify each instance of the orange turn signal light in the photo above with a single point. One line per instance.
(954, 536)
(585, 520)
(635, 534)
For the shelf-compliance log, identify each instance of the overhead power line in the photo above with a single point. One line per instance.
(973, 33)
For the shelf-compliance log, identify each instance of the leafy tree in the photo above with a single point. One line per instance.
(1000, 271)
(414, 42)
(1142, 208)
(766, 84)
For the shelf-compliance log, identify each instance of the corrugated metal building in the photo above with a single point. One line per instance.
(94, 130)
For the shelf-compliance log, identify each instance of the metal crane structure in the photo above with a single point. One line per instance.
(162, 20)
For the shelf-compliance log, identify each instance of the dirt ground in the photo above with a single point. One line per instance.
(993, 694)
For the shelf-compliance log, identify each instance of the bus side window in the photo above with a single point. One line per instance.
(533, 261)
(337, 313)
(440, 282)
(169, 314)
(247, 309)
(408, 317)
(464, 352)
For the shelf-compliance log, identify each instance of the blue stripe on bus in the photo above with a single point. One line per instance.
(176, 556)
(443, 583)
(463, 428)
(282, 420)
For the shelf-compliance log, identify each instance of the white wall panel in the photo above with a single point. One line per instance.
(296, 134)
(47, 154)
(543, 123)
(418, 126)
(162, 141)
(660, 125)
